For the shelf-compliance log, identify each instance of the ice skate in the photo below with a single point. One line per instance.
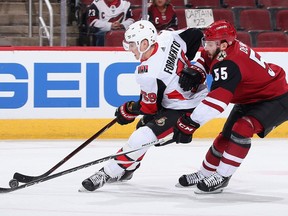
(96, 181)
(101, 177)
(190, 179)
(128, 174)
(215, 183)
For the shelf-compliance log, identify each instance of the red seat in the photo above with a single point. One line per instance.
(272, 39)
(180, 12)
(244, 37)
(136, 3)
(225, 14)
(86, 2)
(114, 38)
(274, 3)
(255, 19)
(204, 3)
(282, 20)
(238, 3)
(178, 3)
(137, 14)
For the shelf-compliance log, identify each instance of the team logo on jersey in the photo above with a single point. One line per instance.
(113, 9)
(118, 18)
(222, 55)
(161, 121)
(142, 69)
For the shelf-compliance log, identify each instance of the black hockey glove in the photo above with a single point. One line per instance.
(125, 113)
(184, 129)
(191, 78)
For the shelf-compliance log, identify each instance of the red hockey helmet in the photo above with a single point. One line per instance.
(220, 30)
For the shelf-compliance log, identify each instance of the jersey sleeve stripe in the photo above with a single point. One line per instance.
(216, 104)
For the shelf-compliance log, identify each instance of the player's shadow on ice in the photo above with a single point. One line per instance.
(135, 193)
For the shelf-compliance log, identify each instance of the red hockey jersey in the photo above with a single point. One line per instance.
(163, 21)
(240, 76)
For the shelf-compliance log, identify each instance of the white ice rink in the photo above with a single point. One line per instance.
(259, 187)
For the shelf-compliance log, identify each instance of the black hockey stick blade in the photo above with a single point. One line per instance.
(26, 178)
(74, 169)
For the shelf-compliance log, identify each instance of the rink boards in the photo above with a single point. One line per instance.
(70, 93)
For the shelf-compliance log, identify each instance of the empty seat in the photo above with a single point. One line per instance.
(135, 3)
(282, 20)
(272, 39)
(86, 2)
(204, 3)
(226, 14)
(180, 12)
(137, 14)
(114, 38)
(273, 3)
(178, 3)
(254, 19)
(239, 3)
(244, 37)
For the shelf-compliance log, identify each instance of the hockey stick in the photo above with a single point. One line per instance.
(25, 178)
(163, 141)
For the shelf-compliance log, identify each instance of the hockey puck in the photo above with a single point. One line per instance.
(13, 183)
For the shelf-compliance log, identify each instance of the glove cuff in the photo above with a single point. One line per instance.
(187, 125)
(200, 71)
(126, 111)
(191, 122)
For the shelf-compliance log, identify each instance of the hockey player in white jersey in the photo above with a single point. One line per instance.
(162, 101)
(108, 15)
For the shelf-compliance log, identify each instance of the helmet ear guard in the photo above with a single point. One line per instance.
(125, 45)
(220, 30)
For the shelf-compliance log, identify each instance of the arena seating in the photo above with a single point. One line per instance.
(178, 3)
(180, 12)
(244, 37)
(282, 20)
(114, 38)
(204, 3)
(271, 39)
(239, 3)
(136, 3)
(220, 13)
(273, 3)
(254, 19)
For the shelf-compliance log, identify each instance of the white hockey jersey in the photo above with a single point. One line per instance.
(158, 77)
(101, 14)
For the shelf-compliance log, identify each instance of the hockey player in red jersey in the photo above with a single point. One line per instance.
(162, 101)
(163, 16)
(259, 92)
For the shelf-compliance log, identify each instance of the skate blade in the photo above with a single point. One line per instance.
(197, 191)
(83, 190)
(181, 186)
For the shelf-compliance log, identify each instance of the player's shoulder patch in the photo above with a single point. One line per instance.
(142, 69)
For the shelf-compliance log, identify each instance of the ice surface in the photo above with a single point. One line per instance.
(258, 188)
